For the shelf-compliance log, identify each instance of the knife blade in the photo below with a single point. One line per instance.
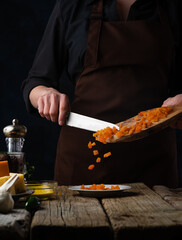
(87, 123)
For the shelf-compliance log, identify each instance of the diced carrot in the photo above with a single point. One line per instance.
(99, 187)
(82, 186)
(131, 130)
(93, 187)
(90, 145)
(95, 152)
(107, 154)
(98, 160)
(143, 120)
(90, 167)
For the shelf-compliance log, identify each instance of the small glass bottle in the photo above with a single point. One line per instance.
(15, 137)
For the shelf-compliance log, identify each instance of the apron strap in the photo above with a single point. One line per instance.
(94, 34)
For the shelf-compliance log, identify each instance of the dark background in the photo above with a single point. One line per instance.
(22, 23)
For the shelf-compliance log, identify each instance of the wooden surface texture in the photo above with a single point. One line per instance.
(143, 213)
(70, 217)
(15, 225)
(139, 213)
(172, 196)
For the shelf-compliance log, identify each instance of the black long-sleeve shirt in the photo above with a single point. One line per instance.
(60, 56)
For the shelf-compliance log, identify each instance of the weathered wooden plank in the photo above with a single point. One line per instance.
(15, 225)
(142, 214)
(71, 217)
(172, 196)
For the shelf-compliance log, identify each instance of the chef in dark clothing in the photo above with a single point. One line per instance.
(118, 57)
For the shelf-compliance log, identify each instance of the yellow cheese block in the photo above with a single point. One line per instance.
(20, 184)
(3, 180)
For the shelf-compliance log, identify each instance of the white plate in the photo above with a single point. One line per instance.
(100, 193)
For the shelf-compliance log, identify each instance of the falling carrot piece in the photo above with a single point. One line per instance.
(90, 145)
(90, 167)
(95, 152)
(98, 160)
(107, 154)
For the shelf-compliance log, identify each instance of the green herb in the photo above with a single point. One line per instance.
(29, 171)
(32, 204)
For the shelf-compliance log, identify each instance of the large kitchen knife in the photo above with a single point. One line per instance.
(87, 123)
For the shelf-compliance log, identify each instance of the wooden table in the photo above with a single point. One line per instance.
(15, 225)
(139, 213)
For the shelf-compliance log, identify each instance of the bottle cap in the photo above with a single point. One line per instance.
(15, 130)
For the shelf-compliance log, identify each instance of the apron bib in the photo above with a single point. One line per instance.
(126, 69)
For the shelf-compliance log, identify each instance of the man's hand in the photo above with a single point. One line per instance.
(50, 103)
(174, 101)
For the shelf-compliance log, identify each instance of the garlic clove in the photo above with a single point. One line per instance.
(6, 202)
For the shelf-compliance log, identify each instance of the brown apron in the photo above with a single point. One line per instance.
(126, 69)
